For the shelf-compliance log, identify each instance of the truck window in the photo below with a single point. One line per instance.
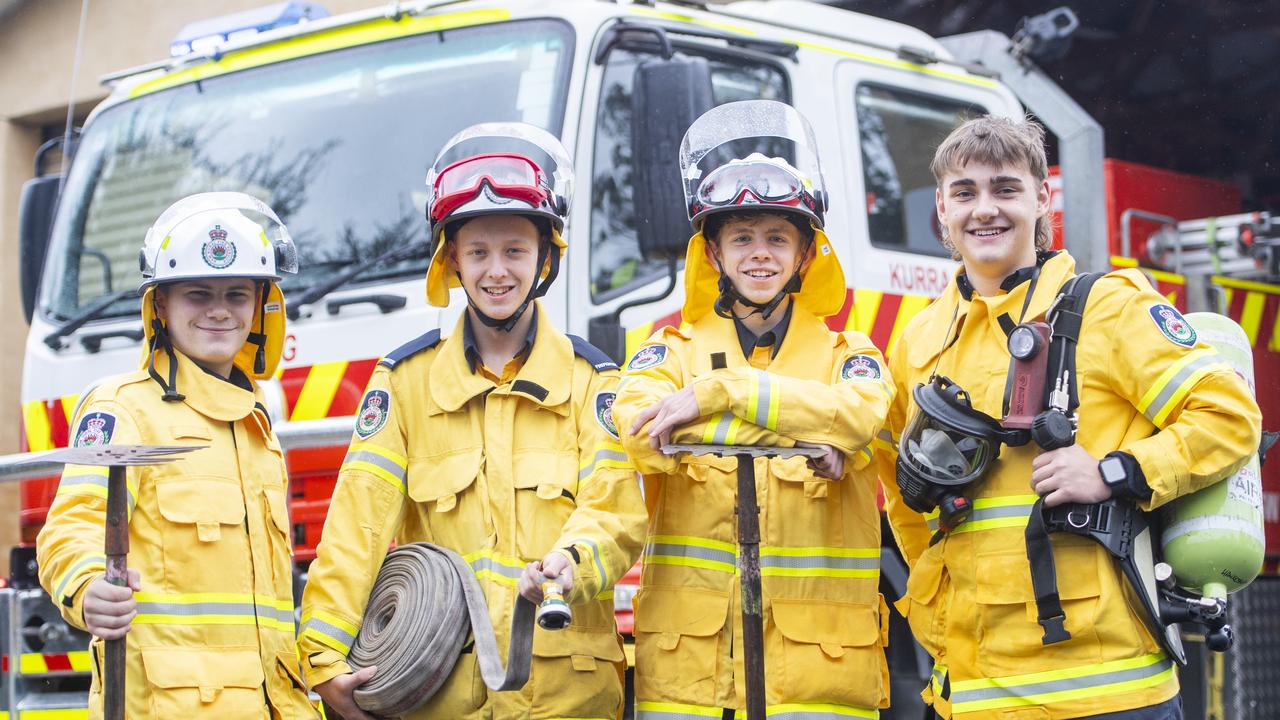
(898, 132)
(338, 143)
(616, 262)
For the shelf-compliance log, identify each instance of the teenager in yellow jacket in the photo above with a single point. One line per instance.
(209, 607)
(496, 442)
(1172, 414)
(760, 276)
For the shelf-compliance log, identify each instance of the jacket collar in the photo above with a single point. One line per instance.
(943, 321)
(542, 378)
(805, 332)
(206, 393)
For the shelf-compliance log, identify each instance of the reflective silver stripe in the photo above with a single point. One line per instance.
(959, 697)
(94, 480)
(1171, 387)
(595, 555)
(825, 562)
(691, 551)
(722, 428)
(100, 560)
(819, 714)
(990, 513)
(675, 715)
(324, 628)
(764, 388)
(374, 459)
(246, 610)
(484, 563)
(585, 473)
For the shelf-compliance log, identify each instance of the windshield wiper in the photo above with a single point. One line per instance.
(54, 339)
(294, 309)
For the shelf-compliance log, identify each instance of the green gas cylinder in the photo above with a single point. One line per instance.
(1213, 538)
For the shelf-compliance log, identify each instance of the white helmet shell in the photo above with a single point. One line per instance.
(214, 235)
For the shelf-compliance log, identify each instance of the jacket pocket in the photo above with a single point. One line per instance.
(921, 605)
(678, 636)
(287, 691)
(200, 515)
(711, 467)
(1009, 636)
(586, 666)
(211, 682)
(445, 486)
(546, 489)
(830, 652)
(281, 542)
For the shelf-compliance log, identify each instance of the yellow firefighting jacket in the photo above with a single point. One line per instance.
(1148, 388)
(825, 623)
(209, 535)
(502, 474)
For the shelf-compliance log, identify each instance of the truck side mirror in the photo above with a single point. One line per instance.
(667, 96)
(35, 221)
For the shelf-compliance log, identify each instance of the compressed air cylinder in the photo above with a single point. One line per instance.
(1213, 538)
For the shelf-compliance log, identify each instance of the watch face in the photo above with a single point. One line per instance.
(1112, 470)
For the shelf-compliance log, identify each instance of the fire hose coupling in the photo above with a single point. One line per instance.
(553, 611)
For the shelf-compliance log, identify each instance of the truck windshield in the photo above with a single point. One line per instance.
(337, 143)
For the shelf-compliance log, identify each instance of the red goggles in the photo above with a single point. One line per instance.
(511, 176)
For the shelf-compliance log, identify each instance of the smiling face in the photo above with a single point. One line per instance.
(758, 252)
(990, 214)
(497, 261)
(208, 320)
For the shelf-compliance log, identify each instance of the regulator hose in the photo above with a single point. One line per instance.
(424, 603)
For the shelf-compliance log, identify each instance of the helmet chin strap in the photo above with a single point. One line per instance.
(260, 338)
(160, 337)
(539, 289)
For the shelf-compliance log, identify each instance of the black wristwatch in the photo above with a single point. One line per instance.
(1114, 474)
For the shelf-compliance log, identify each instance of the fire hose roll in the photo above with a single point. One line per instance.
(424, 604)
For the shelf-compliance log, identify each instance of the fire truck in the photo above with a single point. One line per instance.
(333, 122)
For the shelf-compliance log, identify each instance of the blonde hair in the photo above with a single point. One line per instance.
(999, 142)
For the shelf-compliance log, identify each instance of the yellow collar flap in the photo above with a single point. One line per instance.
(542, 378)
(206, 393)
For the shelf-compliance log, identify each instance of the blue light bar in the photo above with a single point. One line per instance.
(208, 35)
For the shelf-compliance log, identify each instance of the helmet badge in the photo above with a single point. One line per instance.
(218, 252)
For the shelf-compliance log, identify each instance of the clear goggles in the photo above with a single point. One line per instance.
(753, 183)
(508, 175)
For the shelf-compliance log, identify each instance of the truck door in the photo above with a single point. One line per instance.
(892, 119)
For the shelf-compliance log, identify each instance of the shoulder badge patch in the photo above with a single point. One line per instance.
(647, 357)
(1172, 325)
(95, 429)
(860, 367)
(604, 412)
(373, 413)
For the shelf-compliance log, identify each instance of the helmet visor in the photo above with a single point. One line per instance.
(508, 175)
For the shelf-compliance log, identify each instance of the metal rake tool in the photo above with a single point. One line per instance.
(748, 512)
(116, 458)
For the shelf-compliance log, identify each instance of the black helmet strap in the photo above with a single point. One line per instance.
(160, 339)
